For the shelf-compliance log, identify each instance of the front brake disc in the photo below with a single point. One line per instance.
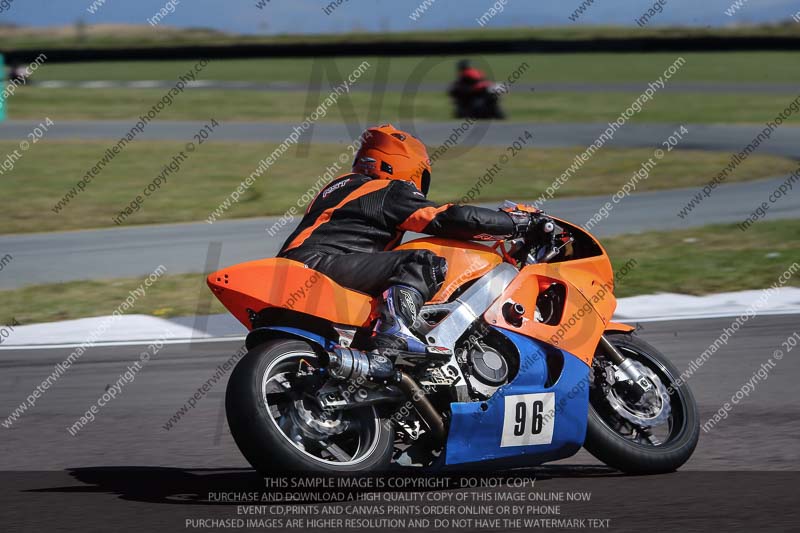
(652, 409)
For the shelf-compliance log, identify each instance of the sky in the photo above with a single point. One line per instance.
(307, 16)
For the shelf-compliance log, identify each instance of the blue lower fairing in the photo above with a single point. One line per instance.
(513, 427)
(258, 335)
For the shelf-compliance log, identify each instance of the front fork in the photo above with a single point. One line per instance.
(626, 371)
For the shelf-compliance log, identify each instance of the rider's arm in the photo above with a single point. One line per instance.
(409, 210)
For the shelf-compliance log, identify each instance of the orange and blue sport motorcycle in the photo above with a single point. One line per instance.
(523, 366)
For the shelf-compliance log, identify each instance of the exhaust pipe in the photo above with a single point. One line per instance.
(354, 365)
(425, 408)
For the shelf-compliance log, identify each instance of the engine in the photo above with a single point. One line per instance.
(487, 368)
(486, 365)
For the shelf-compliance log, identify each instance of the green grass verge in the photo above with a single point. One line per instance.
(708, 259)
(171, 295)
(599, 67)
(697, 261)
(49, 169)
(291, 107)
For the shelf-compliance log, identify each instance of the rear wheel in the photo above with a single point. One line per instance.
(278, 427)
(653, 434)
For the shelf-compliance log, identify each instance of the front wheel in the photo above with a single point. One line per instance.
(279, 427)
(649, 435)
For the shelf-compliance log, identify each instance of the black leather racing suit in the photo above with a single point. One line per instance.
(352, 225)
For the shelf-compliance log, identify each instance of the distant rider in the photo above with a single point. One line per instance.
(472, 93)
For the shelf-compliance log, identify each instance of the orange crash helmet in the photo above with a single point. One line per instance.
(390, 154)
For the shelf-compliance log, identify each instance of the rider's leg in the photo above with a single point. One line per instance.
(404, 279)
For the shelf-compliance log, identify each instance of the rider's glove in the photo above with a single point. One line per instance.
(535, 227)
(523, 222)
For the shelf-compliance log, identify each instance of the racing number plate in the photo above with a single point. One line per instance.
(528, 419)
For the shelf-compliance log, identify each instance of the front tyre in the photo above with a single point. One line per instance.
(654, 434)
(278, 428)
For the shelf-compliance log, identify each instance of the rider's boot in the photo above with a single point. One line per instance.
(398, 312)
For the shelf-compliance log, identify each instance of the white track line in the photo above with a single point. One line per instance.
(143, 84)
(99, 84)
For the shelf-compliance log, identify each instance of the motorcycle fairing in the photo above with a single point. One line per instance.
(619, 327)
(479, 431)
(466, 261)
(588, 305)
(250, 287)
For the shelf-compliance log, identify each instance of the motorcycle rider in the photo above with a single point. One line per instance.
(469, 77)
(350, 228)
(470, 92)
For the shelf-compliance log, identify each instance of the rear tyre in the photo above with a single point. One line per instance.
(279, 429)
(612, 434)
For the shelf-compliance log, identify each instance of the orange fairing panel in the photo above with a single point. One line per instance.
(289, 284)
(618, 327)
(466, 261)
(588, 305)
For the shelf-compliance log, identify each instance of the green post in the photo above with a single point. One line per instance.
(3, 91)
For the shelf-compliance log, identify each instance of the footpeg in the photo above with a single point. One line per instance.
(442, 353)
(439, 350)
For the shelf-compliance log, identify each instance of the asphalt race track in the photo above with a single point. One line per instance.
(183, 248)
(758, 435)
(127, 464)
